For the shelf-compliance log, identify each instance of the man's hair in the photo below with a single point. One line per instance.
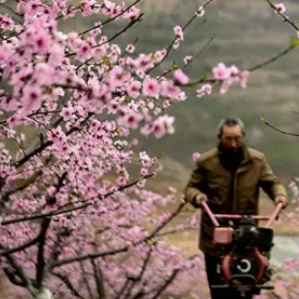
(230, 122)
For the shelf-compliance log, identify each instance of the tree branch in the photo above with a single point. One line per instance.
(21, 247)
(120, 250)
(68, 283)
(48, 143)
(69, 210)
(170, 46)
(13, 278)
(109, 20)
(85, 280)
(99, 280)
(168, 281)
(251, 69)
(278, 130)
(137, 279)
(40, 266)
(166, 284)
(17, 271)
(271, 60)
(286, 19)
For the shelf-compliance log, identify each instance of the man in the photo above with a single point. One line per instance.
(229, 178)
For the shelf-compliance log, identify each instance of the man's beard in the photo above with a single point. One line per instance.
(232, 158)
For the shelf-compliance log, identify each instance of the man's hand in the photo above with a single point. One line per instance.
(199, 199)
(282, 199)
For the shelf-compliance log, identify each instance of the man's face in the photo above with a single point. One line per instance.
(231, 138)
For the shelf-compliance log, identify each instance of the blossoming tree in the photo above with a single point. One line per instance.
(76, 218)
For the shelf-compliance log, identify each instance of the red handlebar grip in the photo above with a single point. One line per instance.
(207, 209)
(274, 215)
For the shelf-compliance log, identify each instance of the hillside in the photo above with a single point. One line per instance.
(247, 33)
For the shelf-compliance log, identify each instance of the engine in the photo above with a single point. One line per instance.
(245, 253)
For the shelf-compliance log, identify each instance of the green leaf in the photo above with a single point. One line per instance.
(160, 155)
(106, 60)
(294, 42)
(262, 118)
(174, 66)
(205, 76)
(127, 99)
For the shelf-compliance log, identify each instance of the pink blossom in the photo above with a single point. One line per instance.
(134, 89)
(163, 125)
(195, 156)
(140, 73)
(200, 12)
(44, 74)
(134, 142)
(73, 39)
(132, 14)
(67, 113)
(182, 96)
(144, 171)
(89, 7)
(15, 120)
(130, 48)
(31, 98)
(151, 87)
(118, 77)
(166, 104)
(244, 78)
(116, 49)
(113, 108)
(221, 72)
(187, 59)
(141, 183)
(84, 52)
(42, 42)
(131, 120)
(225, 85)
(159, 55)
(178, 31)
(180, 77)
(200, 93)
(144, 62)
(121, 180)
(233, 72)
(170, 90)
(56, 55)
(280, 8)
(205, 89)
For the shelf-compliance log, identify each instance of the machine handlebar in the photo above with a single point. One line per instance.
(270, 218)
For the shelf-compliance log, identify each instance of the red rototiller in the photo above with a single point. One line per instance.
(245, 251)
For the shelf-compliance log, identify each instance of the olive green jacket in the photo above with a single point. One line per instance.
(211, 178)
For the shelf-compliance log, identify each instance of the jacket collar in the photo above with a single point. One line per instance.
(245, 156)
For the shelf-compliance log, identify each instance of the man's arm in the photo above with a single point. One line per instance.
(196, 185)
(270, 182)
